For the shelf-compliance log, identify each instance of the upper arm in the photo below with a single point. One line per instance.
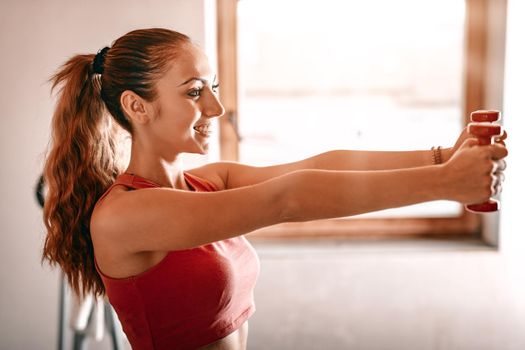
(160, 219)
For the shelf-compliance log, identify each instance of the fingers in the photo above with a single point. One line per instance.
(470, 142)
(498, 151)
(498, 177)
(484, 165)
(493, 186)
(500, 165)
(496, 186)
(501, 139)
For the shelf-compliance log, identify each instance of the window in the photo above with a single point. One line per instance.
(346, 74)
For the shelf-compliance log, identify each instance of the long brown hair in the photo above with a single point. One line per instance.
(83, 158)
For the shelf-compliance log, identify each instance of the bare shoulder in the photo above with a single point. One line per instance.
(162, 219)
(108, 234)
(104, 215)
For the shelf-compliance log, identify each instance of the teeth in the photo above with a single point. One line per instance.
(203, 129)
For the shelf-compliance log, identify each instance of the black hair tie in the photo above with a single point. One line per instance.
(98, 61)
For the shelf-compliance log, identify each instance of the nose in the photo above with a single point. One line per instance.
(213, 108)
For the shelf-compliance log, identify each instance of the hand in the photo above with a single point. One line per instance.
(449, 152)
(474, 173)
(499, 176)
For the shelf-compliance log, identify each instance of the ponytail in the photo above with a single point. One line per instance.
(83, 160)
(81, 164)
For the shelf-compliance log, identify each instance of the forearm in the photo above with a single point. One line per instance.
(321, 194)
(373, 160)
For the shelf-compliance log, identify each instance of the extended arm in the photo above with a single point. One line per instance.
(165, 219)
(161, 219)
(234, 175)
(372, 160)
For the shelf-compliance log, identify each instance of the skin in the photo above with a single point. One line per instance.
(133, 230)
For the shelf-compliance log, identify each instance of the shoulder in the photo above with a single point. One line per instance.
(122, 214)
(112, 213)
(110, 231)
(103, 215)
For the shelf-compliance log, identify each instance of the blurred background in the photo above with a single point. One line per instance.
(350, 74)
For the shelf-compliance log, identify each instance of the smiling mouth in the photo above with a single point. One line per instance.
(203, 129)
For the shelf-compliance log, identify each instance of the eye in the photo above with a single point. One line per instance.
(215, 88)
(194, 93)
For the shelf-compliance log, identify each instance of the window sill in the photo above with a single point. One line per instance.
(332, 248)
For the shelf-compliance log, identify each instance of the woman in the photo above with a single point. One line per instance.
(171, 257)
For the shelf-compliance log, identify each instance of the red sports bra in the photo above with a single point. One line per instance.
(193, 297)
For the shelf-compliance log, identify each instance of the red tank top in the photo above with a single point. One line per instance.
(191, 298)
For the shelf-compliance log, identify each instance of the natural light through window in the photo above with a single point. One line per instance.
(322, 75)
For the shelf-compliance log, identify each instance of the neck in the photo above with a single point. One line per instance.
(166, 174)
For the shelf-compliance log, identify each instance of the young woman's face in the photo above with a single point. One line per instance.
(187, 100)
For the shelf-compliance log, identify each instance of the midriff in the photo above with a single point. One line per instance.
(233, 341)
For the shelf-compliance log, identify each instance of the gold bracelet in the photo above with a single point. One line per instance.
(436, 155)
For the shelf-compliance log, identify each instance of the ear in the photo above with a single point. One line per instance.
(135, 107)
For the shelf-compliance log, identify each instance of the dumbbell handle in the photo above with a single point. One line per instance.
(484, 132)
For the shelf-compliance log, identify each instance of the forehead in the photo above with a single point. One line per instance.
(190, 61)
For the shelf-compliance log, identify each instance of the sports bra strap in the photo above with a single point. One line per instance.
(200, 184)
(134, 181)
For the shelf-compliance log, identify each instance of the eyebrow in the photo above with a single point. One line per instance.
(202, 80)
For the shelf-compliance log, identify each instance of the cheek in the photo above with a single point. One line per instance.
(179, 115)
(186, 115)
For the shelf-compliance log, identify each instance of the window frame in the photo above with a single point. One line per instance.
(477, 62)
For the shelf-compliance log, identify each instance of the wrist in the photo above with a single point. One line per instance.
(437, 157)
(446, 154)
(441, 182)
(441, 155)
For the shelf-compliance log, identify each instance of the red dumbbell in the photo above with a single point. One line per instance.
(482, 126)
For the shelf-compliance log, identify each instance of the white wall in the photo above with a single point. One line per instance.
(512, 219)
(36, 37)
